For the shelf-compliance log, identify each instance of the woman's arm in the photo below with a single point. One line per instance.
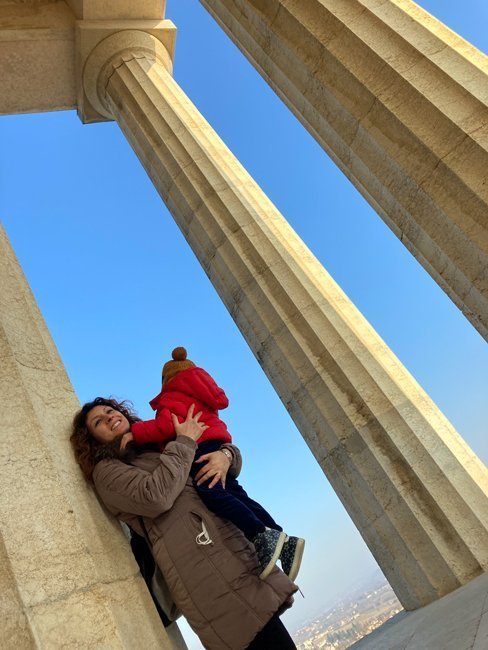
(129, 489)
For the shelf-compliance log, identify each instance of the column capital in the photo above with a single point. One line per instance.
(101, 43)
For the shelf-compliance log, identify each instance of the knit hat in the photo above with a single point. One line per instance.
(179, 363)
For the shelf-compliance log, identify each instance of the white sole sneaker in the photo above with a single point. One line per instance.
(297, 559)
(277, 552)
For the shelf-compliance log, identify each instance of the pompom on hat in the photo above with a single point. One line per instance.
(178, 363)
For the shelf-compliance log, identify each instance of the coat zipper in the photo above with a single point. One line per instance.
(203, 538)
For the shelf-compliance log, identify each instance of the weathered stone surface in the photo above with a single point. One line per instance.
(118, 9)
(414, 489)
(399, 102)
(15, 632)
(37, 58)
(67, 576)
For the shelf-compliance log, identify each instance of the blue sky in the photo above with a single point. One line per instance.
(119, 287)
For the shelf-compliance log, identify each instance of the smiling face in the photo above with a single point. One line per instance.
(106, 423)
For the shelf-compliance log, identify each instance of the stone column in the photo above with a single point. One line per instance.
(67, 576)
(414, 489)
(399, 102)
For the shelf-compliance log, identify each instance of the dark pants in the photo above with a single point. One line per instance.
(232, 503)
(273, 636)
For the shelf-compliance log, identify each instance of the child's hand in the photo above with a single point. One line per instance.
(191, 427)
(216, 465)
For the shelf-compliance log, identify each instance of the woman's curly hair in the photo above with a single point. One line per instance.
(83, 443)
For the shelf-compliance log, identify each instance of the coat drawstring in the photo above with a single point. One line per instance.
(203, 538)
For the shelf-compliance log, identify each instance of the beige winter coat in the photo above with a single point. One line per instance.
(209, 566)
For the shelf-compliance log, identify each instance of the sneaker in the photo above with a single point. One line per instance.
(268, 545)
(291, 556)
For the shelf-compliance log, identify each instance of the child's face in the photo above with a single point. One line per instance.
(105, 423)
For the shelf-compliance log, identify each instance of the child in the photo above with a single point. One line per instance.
(183, 385)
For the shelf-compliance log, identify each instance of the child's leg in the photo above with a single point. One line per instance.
(234, 504)
(292, 551)
(223, 502)
(233, 486)
(267, 542)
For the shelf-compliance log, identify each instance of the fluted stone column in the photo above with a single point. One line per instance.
(399, 102)
(414, 489)
(67, 576)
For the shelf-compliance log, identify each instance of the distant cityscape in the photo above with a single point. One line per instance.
(350, 620)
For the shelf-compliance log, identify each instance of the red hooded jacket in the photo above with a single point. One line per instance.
(190, 386)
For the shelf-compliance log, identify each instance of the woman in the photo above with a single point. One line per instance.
(209, 566)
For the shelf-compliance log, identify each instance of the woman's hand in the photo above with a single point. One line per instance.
(127, 437)
(216, 465)
(191, 427)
